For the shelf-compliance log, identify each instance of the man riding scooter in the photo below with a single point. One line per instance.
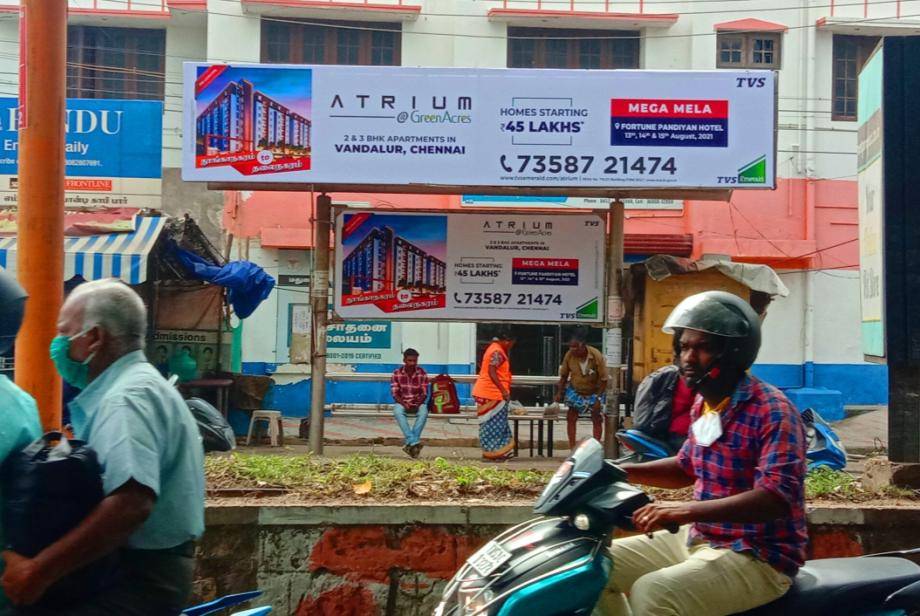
(743, 537)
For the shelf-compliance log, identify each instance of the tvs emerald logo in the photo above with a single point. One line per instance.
(754, 173)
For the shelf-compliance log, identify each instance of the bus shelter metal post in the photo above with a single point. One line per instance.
(613, 339)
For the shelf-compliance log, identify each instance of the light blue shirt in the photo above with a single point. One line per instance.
(19, 426)
(141, 429)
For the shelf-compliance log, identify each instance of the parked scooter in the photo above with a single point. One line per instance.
(557, 564)
(824, 447)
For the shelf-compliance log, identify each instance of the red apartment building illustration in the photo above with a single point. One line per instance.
(242, 119)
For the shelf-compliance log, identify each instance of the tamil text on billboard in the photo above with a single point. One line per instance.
(470, 266)
(372, 125)
(113, 153)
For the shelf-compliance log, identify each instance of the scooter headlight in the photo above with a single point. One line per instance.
(581, 522)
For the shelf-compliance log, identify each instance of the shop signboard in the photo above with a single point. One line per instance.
(871, 207)
(202, 346)
(113, 153)
(362, 342)
(470, 266)
(475, 128)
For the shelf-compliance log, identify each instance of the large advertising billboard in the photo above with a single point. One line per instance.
(113, 153)
(470, 266)
(399, 126)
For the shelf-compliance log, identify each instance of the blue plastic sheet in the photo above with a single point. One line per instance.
(247, 284)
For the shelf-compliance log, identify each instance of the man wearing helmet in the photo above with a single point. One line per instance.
(742, 538)
(19, 424)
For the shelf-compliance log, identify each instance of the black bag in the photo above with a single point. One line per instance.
(48, 489)
(216, 433)
(655, 401)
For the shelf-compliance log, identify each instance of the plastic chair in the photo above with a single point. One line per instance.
(275, 429)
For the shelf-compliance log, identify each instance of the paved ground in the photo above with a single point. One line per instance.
(866, 430)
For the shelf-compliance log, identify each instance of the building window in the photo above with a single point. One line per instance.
(754, 50)
(333, 42)
(115, 62)
(850, 54)
(555, 48)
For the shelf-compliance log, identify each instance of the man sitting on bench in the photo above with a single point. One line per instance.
(409, 387)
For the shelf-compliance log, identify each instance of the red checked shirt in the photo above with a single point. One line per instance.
(410, 391)
(762, 446)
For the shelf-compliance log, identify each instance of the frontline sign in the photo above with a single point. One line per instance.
(397, 126)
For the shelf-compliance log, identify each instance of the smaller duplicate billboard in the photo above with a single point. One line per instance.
(470, 266)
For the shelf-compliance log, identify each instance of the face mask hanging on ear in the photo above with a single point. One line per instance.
(707, 428)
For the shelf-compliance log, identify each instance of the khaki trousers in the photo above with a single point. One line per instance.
(665, 577)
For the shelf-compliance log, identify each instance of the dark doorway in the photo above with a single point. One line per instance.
(538, 352)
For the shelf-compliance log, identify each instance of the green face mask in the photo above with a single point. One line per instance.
(74, 372)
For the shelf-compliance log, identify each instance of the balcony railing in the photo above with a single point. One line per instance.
(579, 6)
(119, 6)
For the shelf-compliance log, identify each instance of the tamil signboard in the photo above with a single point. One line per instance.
(871, 206)
(400, 126)
(470, 266)
(362, 342)
(113, 153)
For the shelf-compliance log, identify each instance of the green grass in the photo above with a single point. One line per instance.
(371, 477)
(827, 484)
(387, 477)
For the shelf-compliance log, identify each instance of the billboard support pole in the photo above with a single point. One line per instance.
(43, 53)
(319, 298)
(613, 340)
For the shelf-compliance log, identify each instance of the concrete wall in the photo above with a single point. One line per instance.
(395, 560)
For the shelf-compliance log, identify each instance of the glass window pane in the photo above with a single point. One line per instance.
(313, 44)
(349, 46)
(278, 42)
(557, 53)
(383, 49)
(589, 53)
(625, 51)
(522, 53)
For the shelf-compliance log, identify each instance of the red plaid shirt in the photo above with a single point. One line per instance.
(762, 446)
(410, 391)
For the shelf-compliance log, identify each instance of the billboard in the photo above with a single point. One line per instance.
(397, 126)
(871, 206)
(113, 153)
(470, 266)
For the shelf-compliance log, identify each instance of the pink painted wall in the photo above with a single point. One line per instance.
(801, 224)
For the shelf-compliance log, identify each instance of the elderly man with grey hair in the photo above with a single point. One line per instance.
(152, 459)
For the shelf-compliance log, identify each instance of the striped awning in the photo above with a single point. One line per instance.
(109, 255)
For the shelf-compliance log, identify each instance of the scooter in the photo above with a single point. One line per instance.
(824, 446)
(557, 564)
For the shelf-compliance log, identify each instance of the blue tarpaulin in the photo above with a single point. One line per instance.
(247, 284)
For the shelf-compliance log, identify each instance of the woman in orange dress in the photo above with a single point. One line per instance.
(492, 393)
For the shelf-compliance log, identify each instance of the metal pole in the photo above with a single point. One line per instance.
(613, 341)
(319, 298)
(40, 235)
